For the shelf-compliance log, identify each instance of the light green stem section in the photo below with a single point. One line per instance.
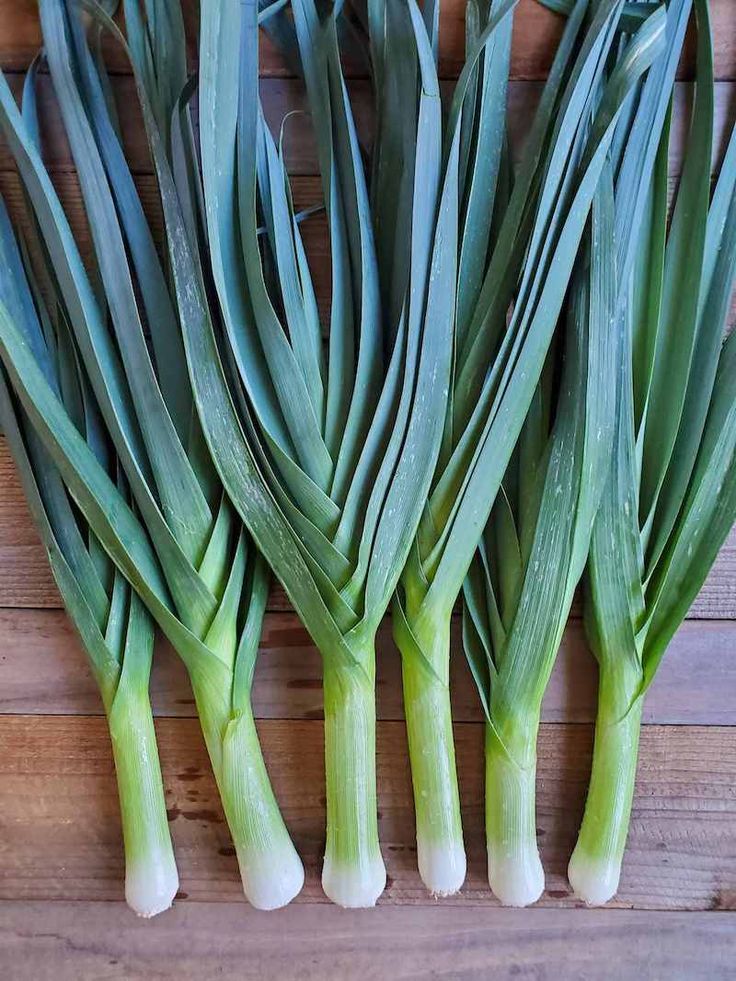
(440, 849)
(270, 868)
(514, 869)
(269, 865)
(151, 876)
(595, 866)
(354, 873)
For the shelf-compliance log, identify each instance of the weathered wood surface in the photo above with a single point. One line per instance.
(59, 824)
(536, 31)
(201, 942)
(60, 834)
(43, 671)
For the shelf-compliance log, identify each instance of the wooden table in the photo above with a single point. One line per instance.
(61, 871)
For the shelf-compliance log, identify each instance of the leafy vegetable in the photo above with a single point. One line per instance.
(515, 608)
(534, 238)
(183, 548)
(670, 499)
(329, 459)
(115, 630)
(498, 331)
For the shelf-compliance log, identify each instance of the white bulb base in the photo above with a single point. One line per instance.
(151, 884)
(594, 880)
(442, 866)
(516, 878)
(354, 885)
(270, 879)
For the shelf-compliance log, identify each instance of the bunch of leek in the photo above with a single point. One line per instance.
(533, 551)
(183, 548)
(112, 623)
(514, 612)
(329, 457)
(534, 238)
(670, 499)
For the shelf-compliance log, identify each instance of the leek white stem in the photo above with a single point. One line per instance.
(440, 848)
(595, 866)
(151, 879)
(270, 867)
(151, 883)
(515, 872)
(353, 874)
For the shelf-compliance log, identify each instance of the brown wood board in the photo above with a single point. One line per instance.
(206, 942)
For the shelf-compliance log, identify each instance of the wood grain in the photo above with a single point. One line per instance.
(536, 32)
(43, 671)
(60, 832)
(198, 942)
(59, 824)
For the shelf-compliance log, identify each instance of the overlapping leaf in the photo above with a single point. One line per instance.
(497, 368)
(669, 504)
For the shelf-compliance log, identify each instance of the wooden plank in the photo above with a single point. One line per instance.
(43, 671)
(26, 579)
(282, 95)
(82, 941)
(61, 837)
(536, 32)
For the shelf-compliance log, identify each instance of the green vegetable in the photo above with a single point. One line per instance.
(670, 500)
(328, 457)
(115, 630)
(183, 548)
(521, 585)
(534, 235)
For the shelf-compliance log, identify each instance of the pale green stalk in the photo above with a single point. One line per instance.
(115, 630)
(440, 848)
(151, 880)
(595, 866)
(353, 865)
(514, 869)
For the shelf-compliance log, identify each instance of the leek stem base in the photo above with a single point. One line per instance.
(515, 871)
(270, 868)
(595, 867)
(353, 874)
(440, 847)
(151, 878)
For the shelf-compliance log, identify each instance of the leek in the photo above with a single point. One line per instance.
(533, 551)
(183, 548)
(328, 463)
(533, 240)
(328, 457)
(670, 500)
(514, 613)
(113, 625)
